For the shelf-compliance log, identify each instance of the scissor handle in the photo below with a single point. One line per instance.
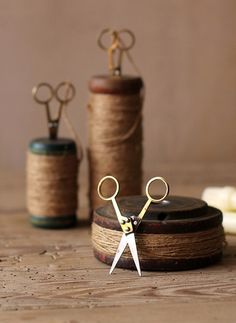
(157, 178)
(109, 198)
(112, 32)
(69, 92)
(35, 93)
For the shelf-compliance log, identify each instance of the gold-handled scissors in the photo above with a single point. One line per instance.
(129, 225)
(65, 88)
(117, 46)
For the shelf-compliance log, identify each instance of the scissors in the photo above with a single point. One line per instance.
(117, 46)
(66, 87)
(129, 225)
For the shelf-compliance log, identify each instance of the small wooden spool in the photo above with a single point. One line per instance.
(177, 234)
(53, 148)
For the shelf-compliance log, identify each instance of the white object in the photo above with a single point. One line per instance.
(223, 198)
(229, 222)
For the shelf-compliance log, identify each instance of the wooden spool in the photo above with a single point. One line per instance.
(54, 148)
(172, 218)
(115, 88)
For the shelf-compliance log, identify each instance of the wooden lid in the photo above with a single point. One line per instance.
(46, 146)
(174, 215)
(106, 84)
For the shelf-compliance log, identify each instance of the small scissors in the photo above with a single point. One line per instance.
(129, 225)
(117, 46)
(53, 123)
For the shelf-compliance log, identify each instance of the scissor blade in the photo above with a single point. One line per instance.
(133, 249)
(120, 250)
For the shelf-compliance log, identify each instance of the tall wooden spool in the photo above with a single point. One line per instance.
(115, 131)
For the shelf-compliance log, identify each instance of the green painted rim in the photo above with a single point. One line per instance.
(58, 222)
(46, 146)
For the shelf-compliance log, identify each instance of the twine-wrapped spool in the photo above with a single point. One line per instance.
(177, 234)
(115, 134)
(52, 171)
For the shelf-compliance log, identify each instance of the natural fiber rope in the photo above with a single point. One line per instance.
(52, 184)
(165, 246)
(115, 142)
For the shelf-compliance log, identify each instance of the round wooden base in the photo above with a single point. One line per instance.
(176, 219)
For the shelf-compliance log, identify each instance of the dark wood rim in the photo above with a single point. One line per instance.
(58, 222)
(46, 146)
(105, 84)
(210, 219)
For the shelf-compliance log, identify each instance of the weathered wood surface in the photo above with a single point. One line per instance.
(52, 276)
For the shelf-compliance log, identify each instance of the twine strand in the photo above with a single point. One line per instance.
(134, 65)
(71, 128)
(73, 132)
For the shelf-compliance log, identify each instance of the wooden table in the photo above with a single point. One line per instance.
(52, 276)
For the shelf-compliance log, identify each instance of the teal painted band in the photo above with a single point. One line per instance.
(46, 146)
(58, 222)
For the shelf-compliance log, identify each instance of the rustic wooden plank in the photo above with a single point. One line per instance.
(52, 276)
(43, 269)
(206, 312)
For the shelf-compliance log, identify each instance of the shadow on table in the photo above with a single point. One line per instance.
(230, 252)
(83, 223)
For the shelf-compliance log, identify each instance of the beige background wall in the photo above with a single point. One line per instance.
(185, 49)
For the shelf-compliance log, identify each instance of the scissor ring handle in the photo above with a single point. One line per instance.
(99, 40)
(121, 45)
(132, 37)
(100, 186)
(36, 89)
(69, 90)
(157, 178)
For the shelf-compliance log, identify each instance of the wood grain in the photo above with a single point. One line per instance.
(52, 276)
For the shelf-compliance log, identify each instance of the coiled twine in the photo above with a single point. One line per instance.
(52, 184)
(115, 143)
(189, 245)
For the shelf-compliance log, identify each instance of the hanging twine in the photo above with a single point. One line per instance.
(162, 246)
(74, 134)
(71, 128)
(52, 184)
